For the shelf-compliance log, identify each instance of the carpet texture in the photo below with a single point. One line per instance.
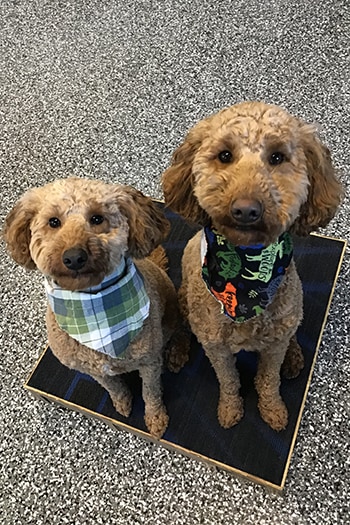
(107, 89)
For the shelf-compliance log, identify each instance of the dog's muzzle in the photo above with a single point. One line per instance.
(75, 258)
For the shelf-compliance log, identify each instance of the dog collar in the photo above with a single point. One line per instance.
(244, 279)
(106, 317)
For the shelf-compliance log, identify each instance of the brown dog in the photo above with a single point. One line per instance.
(250, 175)
(108, 314)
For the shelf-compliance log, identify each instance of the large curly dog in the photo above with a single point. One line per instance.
(251, 175)
(111, 309)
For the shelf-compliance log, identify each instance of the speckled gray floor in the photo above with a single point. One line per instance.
(106, 89)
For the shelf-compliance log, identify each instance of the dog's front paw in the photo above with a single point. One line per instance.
(157, 422)
(294, 360)
(230, 410)
(274, 414)
(122, 402)
(178, 350)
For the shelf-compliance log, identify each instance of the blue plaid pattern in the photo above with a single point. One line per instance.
(106, 317)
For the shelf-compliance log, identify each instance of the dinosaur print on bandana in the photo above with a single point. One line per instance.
(244, 279)
(231, 264)
(228, 298)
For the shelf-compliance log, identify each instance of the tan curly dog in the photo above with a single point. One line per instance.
(91, 241)
(250, 175)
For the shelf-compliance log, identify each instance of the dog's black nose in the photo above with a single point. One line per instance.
(246, 211)
(75, 258)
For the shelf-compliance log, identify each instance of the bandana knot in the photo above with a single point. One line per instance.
(244, 279)
(106, 317)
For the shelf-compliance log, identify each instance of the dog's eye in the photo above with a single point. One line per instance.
(276, 158)
(225, 156)
(54, 222)
(96, 220)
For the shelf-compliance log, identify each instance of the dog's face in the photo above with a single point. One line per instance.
(76, 231)
(250, 176)
(253, 171)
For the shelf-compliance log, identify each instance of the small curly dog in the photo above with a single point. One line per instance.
(107, 314)
(251, 175)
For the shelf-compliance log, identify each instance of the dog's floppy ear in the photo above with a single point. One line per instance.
(325, 191)
(148, 226)
(16, 231)
(178, 179)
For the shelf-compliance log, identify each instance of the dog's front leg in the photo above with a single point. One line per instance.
(119, 392)
(267, 382)
(156, 417)
(230, 407)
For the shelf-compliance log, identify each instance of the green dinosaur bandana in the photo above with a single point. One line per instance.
(244, 279)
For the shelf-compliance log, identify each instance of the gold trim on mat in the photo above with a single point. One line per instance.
(307, 387)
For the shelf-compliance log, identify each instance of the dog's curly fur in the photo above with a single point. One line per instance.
(298, 194)
(131, 225)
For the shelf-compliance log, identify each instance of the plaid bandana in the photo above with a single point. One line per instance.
(106, 317)
(244, 279)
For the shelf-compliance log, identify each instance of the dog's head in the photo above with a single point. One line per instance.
(76, 231)
(253, 171)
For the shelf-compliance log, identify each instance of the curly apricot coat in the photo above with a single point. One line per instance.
(252, 171)
(107, 221)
